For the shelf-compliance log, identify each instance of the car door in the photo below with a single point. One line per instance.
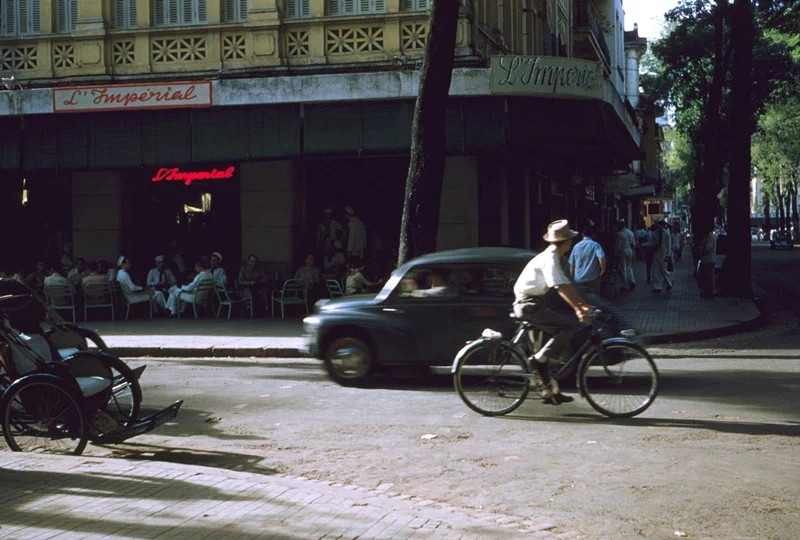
(427, 303)
(487, 297)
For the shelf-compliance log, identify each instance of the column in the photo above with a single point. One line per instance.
(97, 209)
(270, 209)
(458, 211)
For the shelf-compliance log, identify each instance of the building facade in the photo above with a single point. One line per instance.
(230, 124)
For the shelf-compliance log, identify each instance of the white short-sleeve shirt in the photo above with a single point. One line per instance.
(541, 274)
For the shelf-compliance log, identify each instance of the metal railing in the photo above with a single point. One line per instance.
(586, 17)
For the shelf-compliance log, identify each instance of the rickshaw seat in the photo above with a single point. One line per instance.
(92, 385)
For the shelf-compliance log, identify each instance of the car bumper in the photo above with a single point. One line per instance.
(311, 337)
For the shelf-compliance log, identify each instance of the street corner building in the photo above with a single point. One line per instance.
(232, 124)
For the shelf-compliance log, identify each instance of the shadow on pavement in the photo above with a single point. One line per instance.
(791, 429)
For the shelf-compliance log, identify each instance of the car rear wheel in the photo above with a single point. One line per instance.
(348, 360)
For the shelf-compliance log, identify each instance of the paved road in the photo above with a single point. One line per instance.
(716, 456)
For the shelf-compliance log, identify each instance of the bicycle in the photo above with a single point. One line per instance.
(493, 378)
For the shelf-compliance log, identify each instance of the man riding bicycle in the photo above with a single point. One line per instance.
(536, 303)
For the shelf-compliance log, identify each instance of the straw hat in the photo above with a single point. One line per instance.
(559, 231)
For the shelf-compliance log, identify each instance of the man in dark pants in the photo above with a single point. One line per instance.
(533, 304)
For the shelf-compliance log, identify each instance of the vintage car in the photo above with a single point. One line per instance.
(781, 240)
(426, 312)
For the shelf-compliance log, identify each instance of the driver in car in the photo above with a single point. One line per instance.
(536, 303)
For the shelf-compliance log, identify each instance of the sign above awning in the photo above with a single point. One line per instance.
(132, 97)
(551, 76)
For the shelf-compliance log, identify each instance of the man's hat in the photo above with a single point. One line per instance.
(120, 260)
(160, 258)
(559, 231)
(327, 210)
(217, 255)
(349, 210)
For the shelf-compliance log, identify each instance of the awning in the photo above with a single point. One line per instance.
(638, 191)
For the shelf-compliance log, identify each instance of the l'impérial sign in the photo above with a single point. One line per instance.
(174, 174)
(547, 76)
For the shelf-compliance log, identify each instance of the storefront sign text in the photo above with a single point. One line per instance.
(547, 76)
(132, 97)
(187, 177)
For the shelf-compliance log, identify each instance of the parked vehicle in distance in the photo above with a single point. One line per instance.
(781, 240)
(423, 316)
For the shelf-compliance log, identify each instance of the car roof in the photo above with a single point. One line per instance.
(498, 255)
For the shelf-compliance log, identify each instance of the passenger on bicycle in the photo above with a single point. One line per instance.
(536, 303)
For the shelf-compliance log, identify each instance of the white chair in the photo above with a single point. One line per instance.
(135, 301)
(292, 294)
(334, 288)
(232, 298)
(200, 297)
(60, 298)
(98, 295)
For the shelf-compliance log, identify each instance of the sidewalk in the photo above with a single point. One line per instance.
(679, 315)
(47, 496)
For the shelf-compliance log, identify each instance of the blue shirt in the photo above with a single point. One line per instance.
(585, 257)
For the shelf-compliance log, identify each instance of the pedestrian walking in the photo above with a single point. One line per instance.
(663, 252)
(707, 252)
(624, 246)
(677, 246)
(587, 261)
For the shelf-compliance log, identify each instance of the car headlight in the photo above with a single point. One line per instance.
(311, 321)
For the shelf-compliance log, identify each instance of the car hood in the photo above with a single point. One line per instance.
(351, 302)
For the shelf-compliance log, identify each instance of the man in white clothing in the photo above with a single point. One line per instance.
(186, 292)
(356, 235)
(328, 231)
(624, 246)
(161, 278)
(217, 271)
(135, 292)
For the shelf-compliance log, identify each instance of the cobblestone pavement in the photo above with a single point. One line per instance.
(79, 497)
(678, 315)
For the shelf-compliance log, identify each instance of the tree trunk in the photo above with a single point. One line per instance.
(736, 276)
(779, 199)
(420, 223)
(767, 210)
(706, 179)
(795, 216)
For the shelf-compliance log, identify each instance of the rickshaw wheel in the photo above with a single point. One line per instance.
(42, 413)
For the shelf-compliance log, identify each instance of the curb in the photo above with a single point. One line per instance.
(213, 352)
(710, 333)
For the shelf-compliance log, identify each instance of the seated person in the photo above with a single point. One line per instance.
(217, 271)
(356, 283)
(186, 292)
(135, 292)
(55, 278)
(96, 275)
(253, 283)
(308, 275)
(77, 274)
(435, 285)
(161, 278)
(35, 280)
(334, 262)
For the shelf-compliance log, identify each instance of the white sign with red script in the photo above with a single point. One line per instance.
(132, 97)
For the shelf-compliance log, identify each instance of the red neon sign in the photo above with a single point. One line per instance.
(187, 177)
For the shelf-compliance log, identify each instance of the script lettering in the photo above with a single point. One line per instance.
(187, 177)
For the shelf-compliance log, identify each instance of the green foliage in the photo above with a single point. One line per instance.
(776, 145)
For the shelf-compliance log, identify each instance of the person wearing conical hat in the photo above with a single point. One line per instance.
(537, 293)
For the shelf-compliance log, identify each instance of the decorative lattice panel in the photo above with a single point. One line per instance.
(233, 47)
(413, 36)
(19, 58)
(64, 56)
(297, 43)
(170, 50)
(354, 40)
(122, 53)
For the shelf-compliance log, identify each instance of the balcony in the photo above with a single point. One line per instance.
(590, 43)
(260, 44)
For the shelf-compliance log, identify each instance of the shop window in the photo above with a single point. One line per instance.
(414, 5)
(179, 12)
(66, 16)
(124, 14)
(297, 9)
(491, 282)
(19, 17)
(235, 11)
(356, 7)
(429, 283)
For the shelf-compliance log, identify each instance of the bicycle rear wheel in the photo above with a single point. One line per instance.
(43, 415)
(620, 380)
(491, 378)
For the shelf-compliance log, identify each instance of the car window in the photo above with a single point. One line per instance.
(429, 282)
(488, 282)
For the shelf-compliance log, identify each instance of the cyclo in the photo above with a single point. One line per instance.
(57, 395)
(615, 374)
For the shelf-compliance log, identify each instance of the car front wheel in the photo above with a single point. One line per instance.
(348, 360)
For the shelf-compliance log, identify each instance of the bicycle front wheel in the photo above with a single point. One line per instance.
(492, 378)
(620, 380)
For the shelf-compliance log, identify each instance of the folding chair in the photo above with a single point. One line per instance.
(60, 298)
(292, 294)
(98, 295)
(200, 297)
(230, 299)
